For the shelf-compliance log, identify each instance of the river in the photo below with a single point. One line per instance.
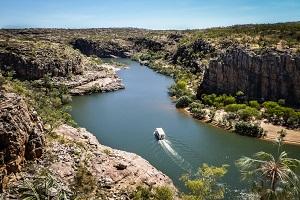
(126, 119)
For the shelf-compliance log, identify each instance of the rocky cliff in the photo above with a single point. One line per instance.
(271, 75)
(32, 60)
(21, 135)
(102, 49)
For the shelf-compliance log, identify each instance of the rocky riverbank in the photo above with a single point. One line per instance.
(71, 157)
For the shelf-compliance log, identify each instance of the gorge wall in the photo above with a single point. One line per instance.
(269, 76)
(21, 135)
(32, 60)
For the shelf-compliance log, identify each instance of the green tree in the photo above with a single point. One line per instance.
(183, 102)
(205, 185)
(273, 177)
(248, 112)
(248, 129)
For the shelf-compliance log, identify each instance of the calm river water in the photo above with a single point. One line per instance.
(126, 119)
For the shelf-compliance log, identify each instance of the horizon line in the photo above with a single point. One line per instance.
(142, 28)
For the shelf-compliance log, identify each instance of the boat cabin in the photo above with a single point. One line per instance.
(159, 133)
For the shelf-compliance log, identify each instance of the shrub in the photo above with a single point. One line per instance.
(278, 114)
(179, 89)
(235, 107)
(159, 193)
(199, 113)
(205, 185)
(163, 193)
(240, 96)
(84, 181)
(248, 112)
(218, 101)
(42, 187)
(142, 193)
(281, 102)
(248, 129)
(66, 99)
(196, 105)
(254, 104)
(209, 99)
(183, 102)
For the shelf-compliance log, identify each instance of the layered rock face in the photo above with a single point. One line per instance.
(270, 76)
(21, 134)
(102, 49)
(33, 60)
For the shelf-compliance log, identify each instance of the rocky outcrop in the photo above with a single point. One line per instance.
(33, 60)
(142, 43)
(102, 78)
(74, 155)
(21, 134)
(102, 49)
(191, 55)
(269, 76)
(114, 168)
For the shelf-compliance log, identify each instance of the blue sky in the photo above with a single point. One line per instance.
(153, 14)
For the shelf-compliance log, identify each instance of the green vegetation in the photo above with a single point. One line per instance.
(49, 102)
(247, 113)
(248, 129)
(205, 185)
(158, 193)
(235, 107)
(259, 36)
(198, 113)
(254, 104)
(218, 101)
(183, 102)
(272, 177)
(43, 187)
(84, 183)
(281, 115)
(179, 89)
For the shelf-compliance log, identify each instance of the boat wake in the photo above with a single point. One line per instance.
(167, 147)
